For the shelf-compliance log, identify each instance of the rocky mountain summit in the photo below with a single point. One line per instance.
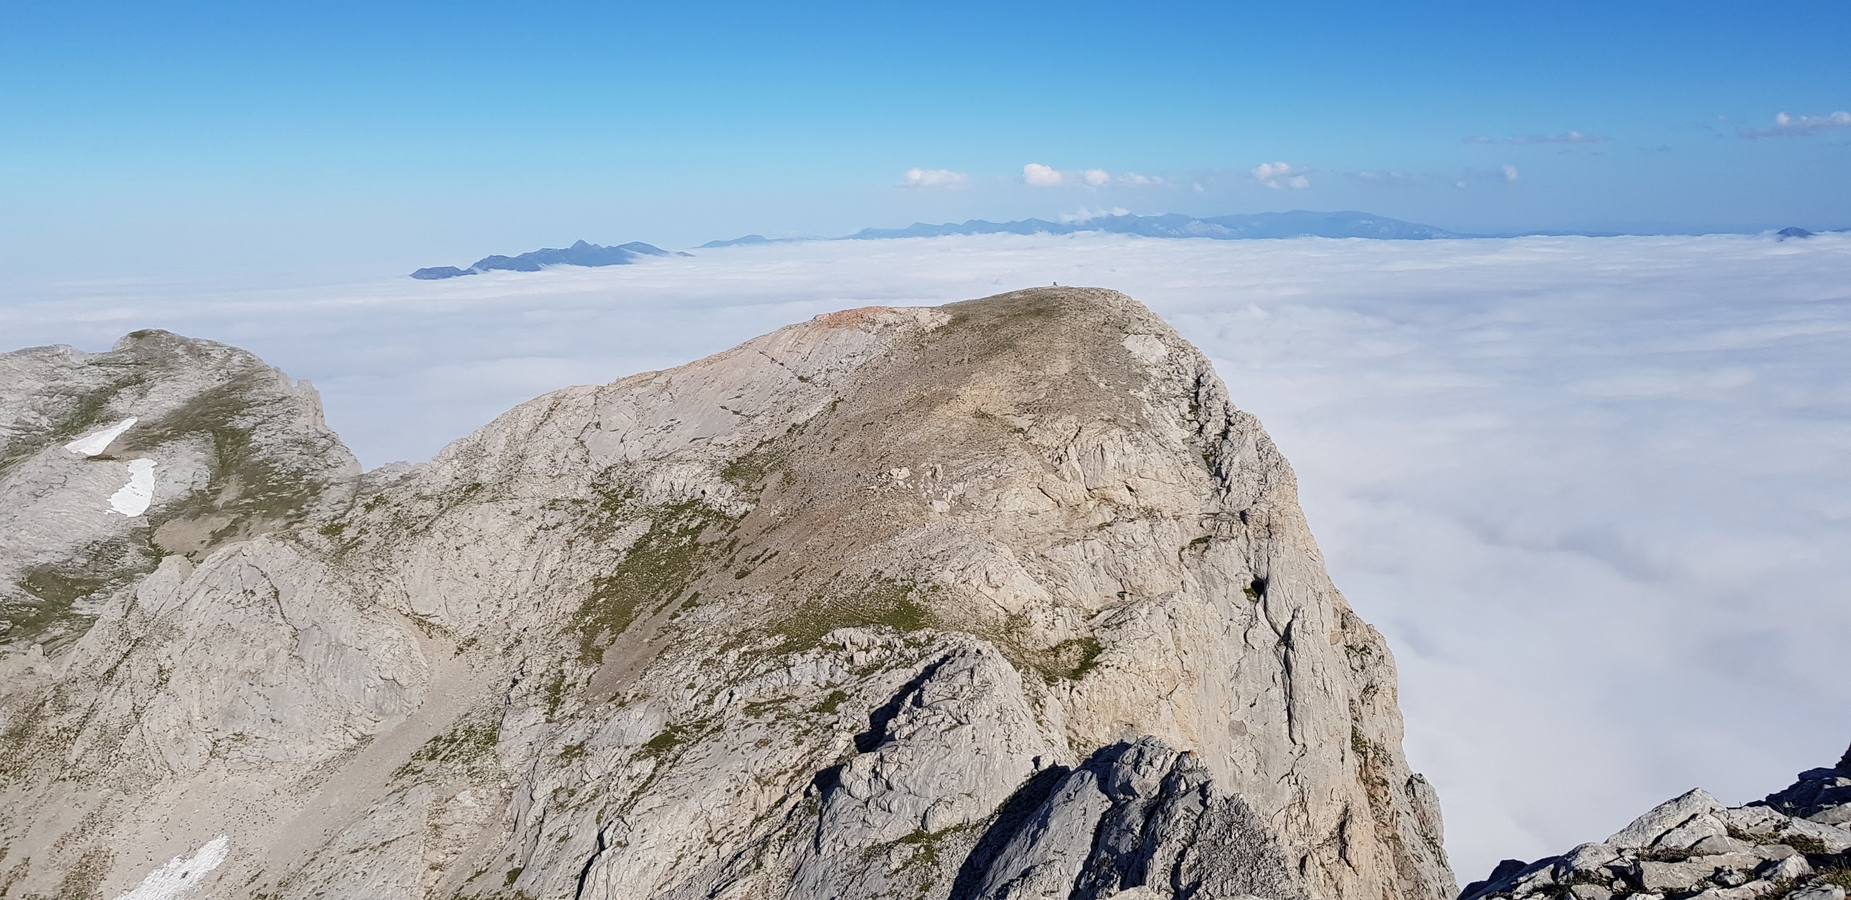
(1002, 599)
(1795, 844)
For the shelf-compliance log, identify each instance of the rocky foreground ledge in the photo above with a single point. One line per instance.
(1795, 844)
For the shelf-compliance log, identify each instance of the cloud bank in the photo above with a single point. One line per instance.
(1787, 125)
(1592, 490)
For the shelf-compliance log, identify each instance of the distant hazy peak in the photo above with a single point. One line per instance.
(581, 253)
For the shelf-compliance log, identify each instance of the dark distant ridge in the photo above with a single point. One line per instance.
(579, 254)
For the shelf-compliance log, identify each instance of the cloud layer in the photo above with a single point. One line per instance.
(1592, 490)
(1788, 125)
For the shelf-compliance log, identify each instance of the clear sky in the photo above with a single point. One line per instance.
(153, 139)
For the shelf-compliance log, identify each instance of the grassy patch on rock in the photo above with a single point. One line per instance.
(469, 745)
(876, 602)
(656, 571)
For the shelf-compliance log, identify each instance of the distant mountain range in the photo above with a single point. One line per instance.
(1243, 227)
(579, 254)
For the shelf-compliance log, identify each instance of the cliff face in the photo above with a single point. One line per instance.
(998, 599)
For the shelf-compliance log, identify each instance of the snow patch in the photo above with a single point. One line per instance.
(182, 873)
(97, 441)
(133, 498)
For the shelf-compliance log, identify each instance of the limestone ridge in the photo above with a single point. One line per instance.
(236, 448)
(1794, 844)
(1001, 599)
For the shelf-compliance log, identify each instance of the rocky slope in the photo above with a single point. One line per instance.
(1001, 599)
(237, 448)
(1794, 844)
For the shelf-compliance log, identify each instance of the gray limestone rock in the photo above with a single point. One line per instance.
(887, 604)
(1693, 846)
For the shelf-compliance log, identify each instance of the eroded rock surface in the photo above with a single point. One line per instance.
(999, 599)
(1794, 844)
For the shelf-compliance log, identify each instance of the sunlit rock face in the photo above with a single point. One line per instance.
(1796, 843)
(999, 599)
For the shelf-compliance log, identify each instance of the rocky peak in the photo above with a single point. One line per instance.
(1794, 844)
(997, 599)
(163, 445)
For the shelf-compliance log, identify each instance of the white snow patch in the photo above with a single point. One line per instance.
(97, 441)
(133, 498)
(182, 873)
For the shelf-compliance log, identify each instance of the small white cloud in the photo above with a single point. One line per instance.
(1281, 176)
(1199, 188)
(933, 178)
(1510, 174)
(1788, 125)
(1087, 215)
(1038, 175)
(1096, 177)
(1133, 179)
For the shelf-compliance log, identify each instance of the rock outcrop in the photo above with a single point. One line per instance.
(1794, 844)
(1001, 599)
(236, 447)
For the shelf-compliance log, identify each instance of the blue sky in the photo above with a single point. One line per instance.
(345, 138)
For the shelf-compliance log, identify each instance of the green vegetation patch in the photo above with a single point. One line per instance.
(831, 703)
(655, 572)
(1071, 659)
(45, 611)
(469, 744)
(929, 846)
(877, 602)
(247, 486)
(672, 738)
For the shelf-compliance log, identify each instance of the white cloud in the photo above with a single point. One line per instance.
(1281, 176)
(1038, 175)
(1133, 179)
(1580, 522)
(1786, 125)
(933, 178)
(1096, 177)
(1510, 174)
(1087, 215)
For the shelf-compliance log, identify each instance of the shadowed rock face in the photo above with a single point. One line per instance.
(998, 599)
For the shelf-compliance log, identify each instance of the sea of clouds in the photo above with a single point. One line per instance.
(1596, 492)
